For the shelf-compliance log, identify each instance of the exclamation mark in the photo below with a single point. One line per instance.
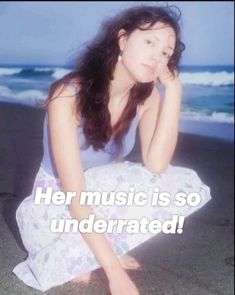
(180, 224)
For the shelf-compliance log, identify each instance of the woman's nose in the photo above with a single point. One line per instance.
(156, 56)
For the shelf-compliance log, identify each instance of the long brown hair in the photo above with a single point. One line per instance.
(93, 71)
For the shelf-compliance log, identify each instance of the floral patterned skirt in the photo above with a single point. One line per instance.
(56, 258)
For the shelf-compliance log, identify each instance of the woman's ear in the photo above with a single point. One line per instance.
(122, 38)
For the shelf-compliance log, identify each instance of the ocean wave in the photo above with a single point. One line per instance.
(60, 72)
(31, 96)
(208, 79)
(218, 117)
(9, 71)
(27, 97)
(55, 73)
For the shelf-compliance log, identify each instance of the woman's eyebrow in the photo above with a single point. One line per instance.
(159, 39)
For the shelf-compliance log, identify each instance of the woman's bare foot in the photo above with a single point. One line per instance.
(127, 262)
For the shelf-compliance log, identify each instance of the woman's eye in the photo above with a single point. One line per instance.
(166, 55)
(149, 41)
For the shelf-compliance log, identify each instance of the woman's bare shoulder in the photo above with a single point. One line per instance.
(67, 88)
(64, 100)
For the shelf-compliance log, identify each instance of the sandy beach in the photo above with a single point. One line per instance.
(200, 261)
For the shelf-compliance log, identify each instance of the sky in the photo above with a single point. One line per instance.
(51, 33)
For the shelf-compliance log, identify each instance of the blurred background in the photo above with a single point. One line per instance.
(40, 40)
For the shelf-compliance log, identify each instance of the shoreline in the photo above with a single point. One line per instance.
(21, 131)
(214, 130)
(211, 129)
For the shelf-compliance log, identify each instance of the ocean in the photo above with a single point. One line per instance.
(207, 102)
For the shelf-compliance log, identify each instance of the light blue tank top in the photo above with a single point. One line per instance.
(89, 157)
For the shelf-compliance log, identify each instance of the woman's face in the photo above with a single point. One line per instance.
(145, 54)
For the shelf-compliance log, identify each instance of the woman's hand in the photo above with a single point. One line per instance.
(166, 77)
(121, 284)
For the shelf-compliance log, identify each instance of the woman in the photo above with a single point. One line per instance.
(90, 125)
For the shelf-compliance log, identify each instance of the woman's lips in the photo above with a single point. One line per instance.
(151, 69)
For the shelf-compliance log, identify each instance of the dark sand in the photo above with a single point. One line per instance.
(198, 262)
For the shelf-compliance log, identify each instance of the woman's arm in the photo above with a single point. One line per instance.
(162, 120)
(66, 153)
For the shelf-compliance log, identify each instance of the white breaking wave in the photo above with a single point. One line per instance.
(43, 69)
(60, 72)
(26, 97)
(31, 96)
(208, 78)
(57, 72)
(9, 71)
(219, 117)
